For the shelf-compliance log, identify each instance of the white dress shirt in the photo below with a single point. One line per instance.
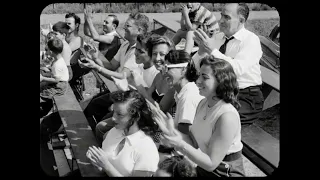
(243, 53)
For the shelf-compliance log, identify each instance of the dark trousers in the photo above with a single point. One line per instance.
(97, 109)
(251, 101)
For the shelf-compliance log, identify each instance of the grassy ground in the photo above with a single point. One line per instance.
(269, 119)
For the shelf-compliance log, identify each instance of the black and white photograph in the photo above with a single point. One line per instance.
(183, 89)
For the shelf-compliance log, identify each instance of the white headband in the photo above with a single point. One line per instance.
(177, 65)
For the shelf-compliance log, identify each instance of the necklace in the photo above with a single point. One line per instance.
(208, 109)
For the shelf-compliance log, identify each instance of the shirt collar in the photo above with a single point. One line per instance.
(134, 139)
(241, 34)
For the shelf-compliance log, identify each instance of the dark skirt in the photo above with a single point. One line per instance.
(232, 168)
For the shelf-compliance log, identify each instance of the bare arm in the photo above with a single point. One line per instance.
(96, 36)
(221, 140)
(184, 128)
(167, 101)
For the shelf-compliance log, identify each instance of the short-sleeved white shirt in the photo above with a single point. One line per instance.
(59, 70)
(127, 59)
(139, 152)
(187, 101)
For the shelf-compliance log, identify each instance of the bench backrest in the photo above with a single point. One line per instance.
(270, 77)
(78, 131)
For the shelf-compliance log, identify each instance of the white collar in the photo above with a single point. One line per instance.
(241, 34)
(133, 139)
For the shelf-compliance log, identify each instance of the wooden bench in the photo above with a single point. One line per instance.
(78, 132)
(260, 148)
(172, 25)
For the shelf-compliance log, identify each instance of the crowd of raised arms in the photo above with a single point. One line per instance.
(176, 112)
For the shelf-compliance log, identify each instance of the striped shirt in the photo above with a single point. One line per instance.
(203, 17)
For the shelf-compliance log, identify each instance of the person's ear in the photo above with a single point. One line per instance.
(114, 26)
(242, 20)
(140, 30)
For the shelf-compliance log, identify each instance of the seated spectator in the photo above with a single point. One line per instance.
(75, 41)
(119, 67)
(61, 30)
(175, 166)
(57, 84)
(216, 130)
(147, 53)
(109, 40)
(128, 149)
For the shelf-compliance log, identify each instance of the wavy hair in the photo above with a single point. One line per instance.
(180, 56)
(222, 70)
(178, 166)
(138, 109)
(140, 20)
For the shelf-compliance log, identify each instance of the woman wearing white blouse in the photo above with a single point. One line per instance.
(128, 149)
(216, 140)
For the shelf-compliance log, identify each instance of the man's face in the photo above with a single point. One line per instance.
(141, 54)
(230, 21)
(131, 29)
(71, 23)
(108, 26)
(173, 75)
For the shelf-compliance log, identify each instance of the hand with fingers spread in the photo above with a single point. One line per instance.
(92, 161)
(93, 52)
(206, 45)
(122, 84)
(45, 32)
(138, 78)
(185, 10)
(88, 64)
(88, 13)
(98, 157)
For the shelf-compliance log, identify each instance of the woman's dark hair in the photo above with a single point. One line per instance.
(55, 45)
(138, 109)
(228, 86)
(178, 166)
(180, 56)
(61, 27)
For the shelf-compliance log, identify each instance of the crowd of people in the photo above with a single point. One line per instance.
(175, 113)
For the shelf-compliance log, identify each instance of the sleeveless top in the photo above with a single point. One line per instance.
(202, 129)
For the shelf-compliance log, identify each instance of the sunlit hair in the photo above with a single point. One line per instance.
(55, 45)
(157, 39)
(227, 88)
(180, 56)
(178, 166)
(115, 19)
(138, 109)
(61, 27)
(140, 20)
(76, 18)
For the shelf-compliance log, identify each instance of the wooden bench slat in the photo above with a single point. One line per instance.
(172, 25)
(78, 131)
(262, 143)
(61, 162)
(270, 78)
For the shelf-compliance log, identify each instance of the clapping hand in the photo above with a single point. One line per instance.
(122, 84)
(98, 157)
(206, 45)
(185, 10)
(93, 52)
(88, 13)
(138, 79)
(88, 64)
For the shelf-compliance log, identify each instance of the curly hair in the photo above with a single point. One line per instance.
(228, 85)
(180, 56)
(178, 166)
(138, 109)
(140, 20)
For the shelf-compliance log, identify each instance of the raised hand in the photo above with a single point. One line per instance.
(45, 32)
(138, 79)
(185, 10)
(122, 84)
(206, 45)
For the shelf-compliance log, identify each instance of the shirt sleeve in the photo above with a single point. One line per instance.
(147, 158)
(188, 109)
(248, 55)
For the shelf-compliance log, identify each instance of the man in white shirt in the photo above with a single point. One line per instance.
(119, 67)
(109, 40)
(242, 49)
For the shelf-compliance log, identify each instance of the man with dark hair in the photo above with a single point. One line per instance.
(61, 30)
(242, 49)
(109, 40)
(74, 40)
(119, 67)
